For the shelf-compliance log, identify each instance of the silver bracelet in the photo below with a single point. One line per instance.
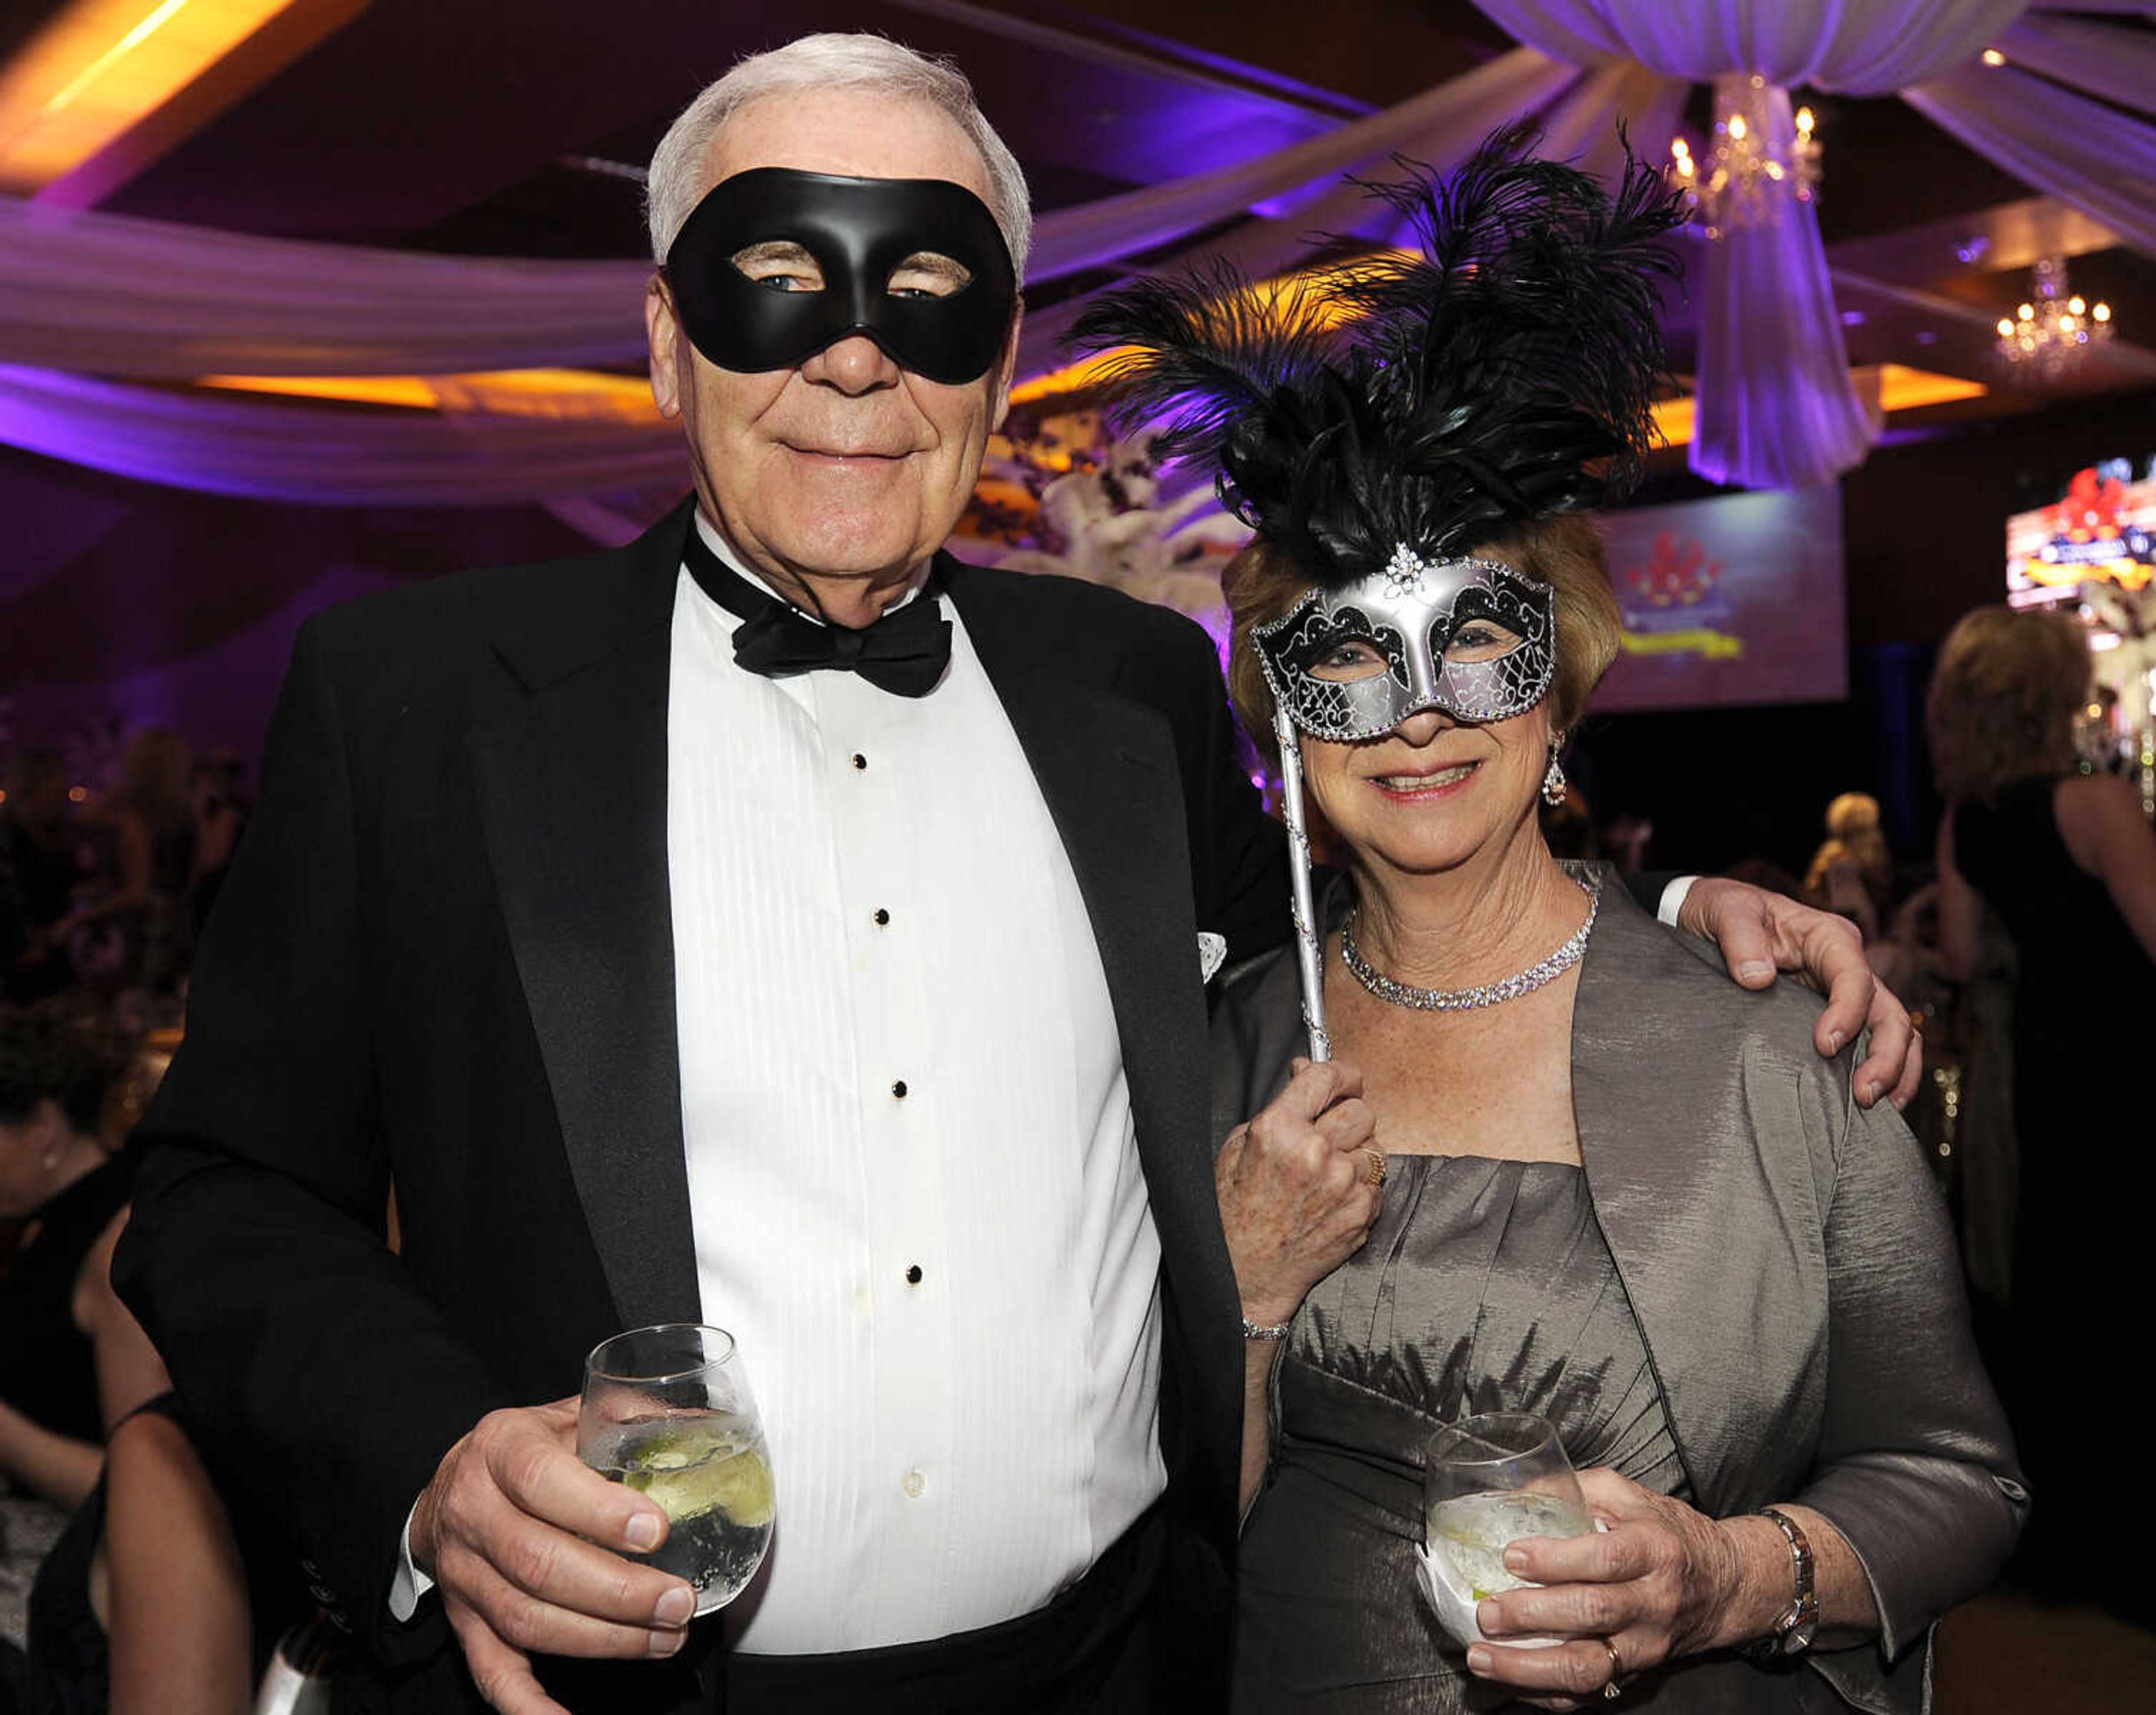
(1252, 1331)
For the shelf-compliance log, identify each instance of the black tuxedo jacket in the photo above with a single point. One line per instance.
(443, 958)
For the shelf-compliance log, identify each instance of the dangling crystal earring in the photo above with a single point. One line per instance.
(1553, 780)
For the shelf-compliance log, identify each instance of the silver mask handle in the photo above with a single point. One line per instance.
(1309, 951)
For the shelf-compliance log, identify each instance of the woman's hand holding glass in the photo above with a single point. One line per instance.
(1300, 1184)
(1661, 1580)
(1489, 1481)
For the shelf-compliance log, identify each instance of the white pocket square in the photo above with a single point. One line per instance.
(1212, 952)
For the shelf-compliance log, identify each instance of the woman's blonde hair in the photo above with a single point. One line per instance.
(1565, 552)
(2003, 700)
(1853, 836)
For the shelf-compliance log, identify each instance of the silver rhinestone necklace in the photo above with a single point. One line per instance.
(1504, 988)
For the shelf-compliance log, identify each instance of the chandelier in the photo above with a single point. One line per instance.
(2053, 332)
(1760, 157)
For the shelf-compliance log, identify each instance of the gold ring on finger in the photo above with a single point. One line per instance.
(1373, 1165)
(1611, 1690)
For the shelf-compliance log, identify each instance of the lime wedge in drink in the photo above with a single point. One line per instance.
(690, 1472)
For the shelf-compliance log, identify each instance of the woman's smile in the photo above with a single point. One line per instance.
(1421, 784)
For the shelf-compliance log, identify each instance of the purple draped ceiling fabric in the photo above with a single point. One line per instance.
(2097, 60)
(1069, 241)
(130, 301)
(269, 448)
(72, 295)
(1855, 47)
(1776, 408)
(116, 295)
(2088, 156)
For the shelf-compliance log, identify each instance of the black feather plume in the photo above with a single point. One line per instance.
(1503, 375)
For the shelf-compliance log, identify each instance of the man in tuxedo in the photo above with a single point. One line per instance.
(775, 923)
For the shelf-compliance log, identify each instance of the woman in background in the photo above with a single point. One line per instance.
(61, 1173)
(2068, 864)
(141, 1608)
(1852, 873)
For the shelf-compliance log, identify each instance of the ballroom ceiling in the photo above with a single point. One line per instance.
(469, 126)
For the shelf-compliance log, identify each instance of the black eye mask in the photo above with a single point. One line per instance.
(859, 230)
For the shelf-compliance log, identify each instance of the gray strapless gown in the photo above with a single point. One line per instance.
(1485, 1285)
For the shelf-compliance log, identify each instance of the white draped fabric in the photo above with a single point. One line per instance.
(1774, 395)
(73, 297)
(2096, 58)
(274, 449)
(1583, 121)
(1857, 47)
(1071, 240)
(133, 300)
(2090, 156)
(1777, 409)
(117, 296)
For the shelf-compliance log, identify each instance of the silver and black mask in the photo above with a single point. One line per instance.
(1471, 637)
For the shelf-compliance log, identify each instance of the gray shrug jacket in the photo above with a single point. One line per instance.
(1788, 1260)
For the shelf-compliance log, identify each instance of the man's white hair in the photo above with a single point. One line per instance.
(830, 61)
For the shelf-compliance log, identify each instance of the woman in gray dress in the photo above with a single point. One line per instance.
(1615, 1191)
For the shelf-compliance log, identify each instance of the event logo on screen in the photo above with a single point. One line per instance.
(2102, 530)
(1670, 603)
(1734, 599)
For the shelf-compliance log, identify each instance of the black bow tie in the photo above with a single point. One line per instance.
(904, 652)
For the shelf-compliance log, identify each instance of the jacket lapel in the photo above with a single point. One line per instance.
(1106, 766)
(1716, 1239)
(572, 789)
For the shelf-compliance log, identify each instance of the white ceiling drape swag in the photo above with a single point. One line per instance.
(85, 294)
(1776, 408)
(2098, 60)
(1069, 241)
(268, 448)
(78, 296)
(113, 294)
(2092, 157)
(1580, 111)
(1853, 47)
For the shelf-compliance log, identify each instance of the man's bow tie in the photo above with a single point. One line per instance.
(904, 652)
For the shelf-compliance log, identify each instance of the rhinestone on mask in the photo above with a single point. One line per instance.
(1403, 574)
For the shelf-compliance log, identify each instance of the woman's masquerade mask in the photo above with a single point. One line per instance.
(1471, 637)
(860, 231)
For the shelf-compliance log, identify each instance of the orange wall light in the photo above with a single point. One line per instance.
(108, 86)
(586, 395)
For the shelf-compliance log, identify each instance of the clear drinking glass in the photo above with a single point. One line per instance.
(1488, 1481)
(668, 1411)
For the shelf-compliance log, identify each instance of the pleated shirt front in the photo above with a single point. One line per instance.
(913, 1176)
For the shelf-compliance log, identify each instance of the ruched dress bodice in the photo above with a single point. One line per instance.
(1485, 1285)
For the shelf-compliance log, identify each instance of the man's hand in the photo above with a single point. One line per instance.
(509, 1530)
(1759, 932)
(1296, 1187)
